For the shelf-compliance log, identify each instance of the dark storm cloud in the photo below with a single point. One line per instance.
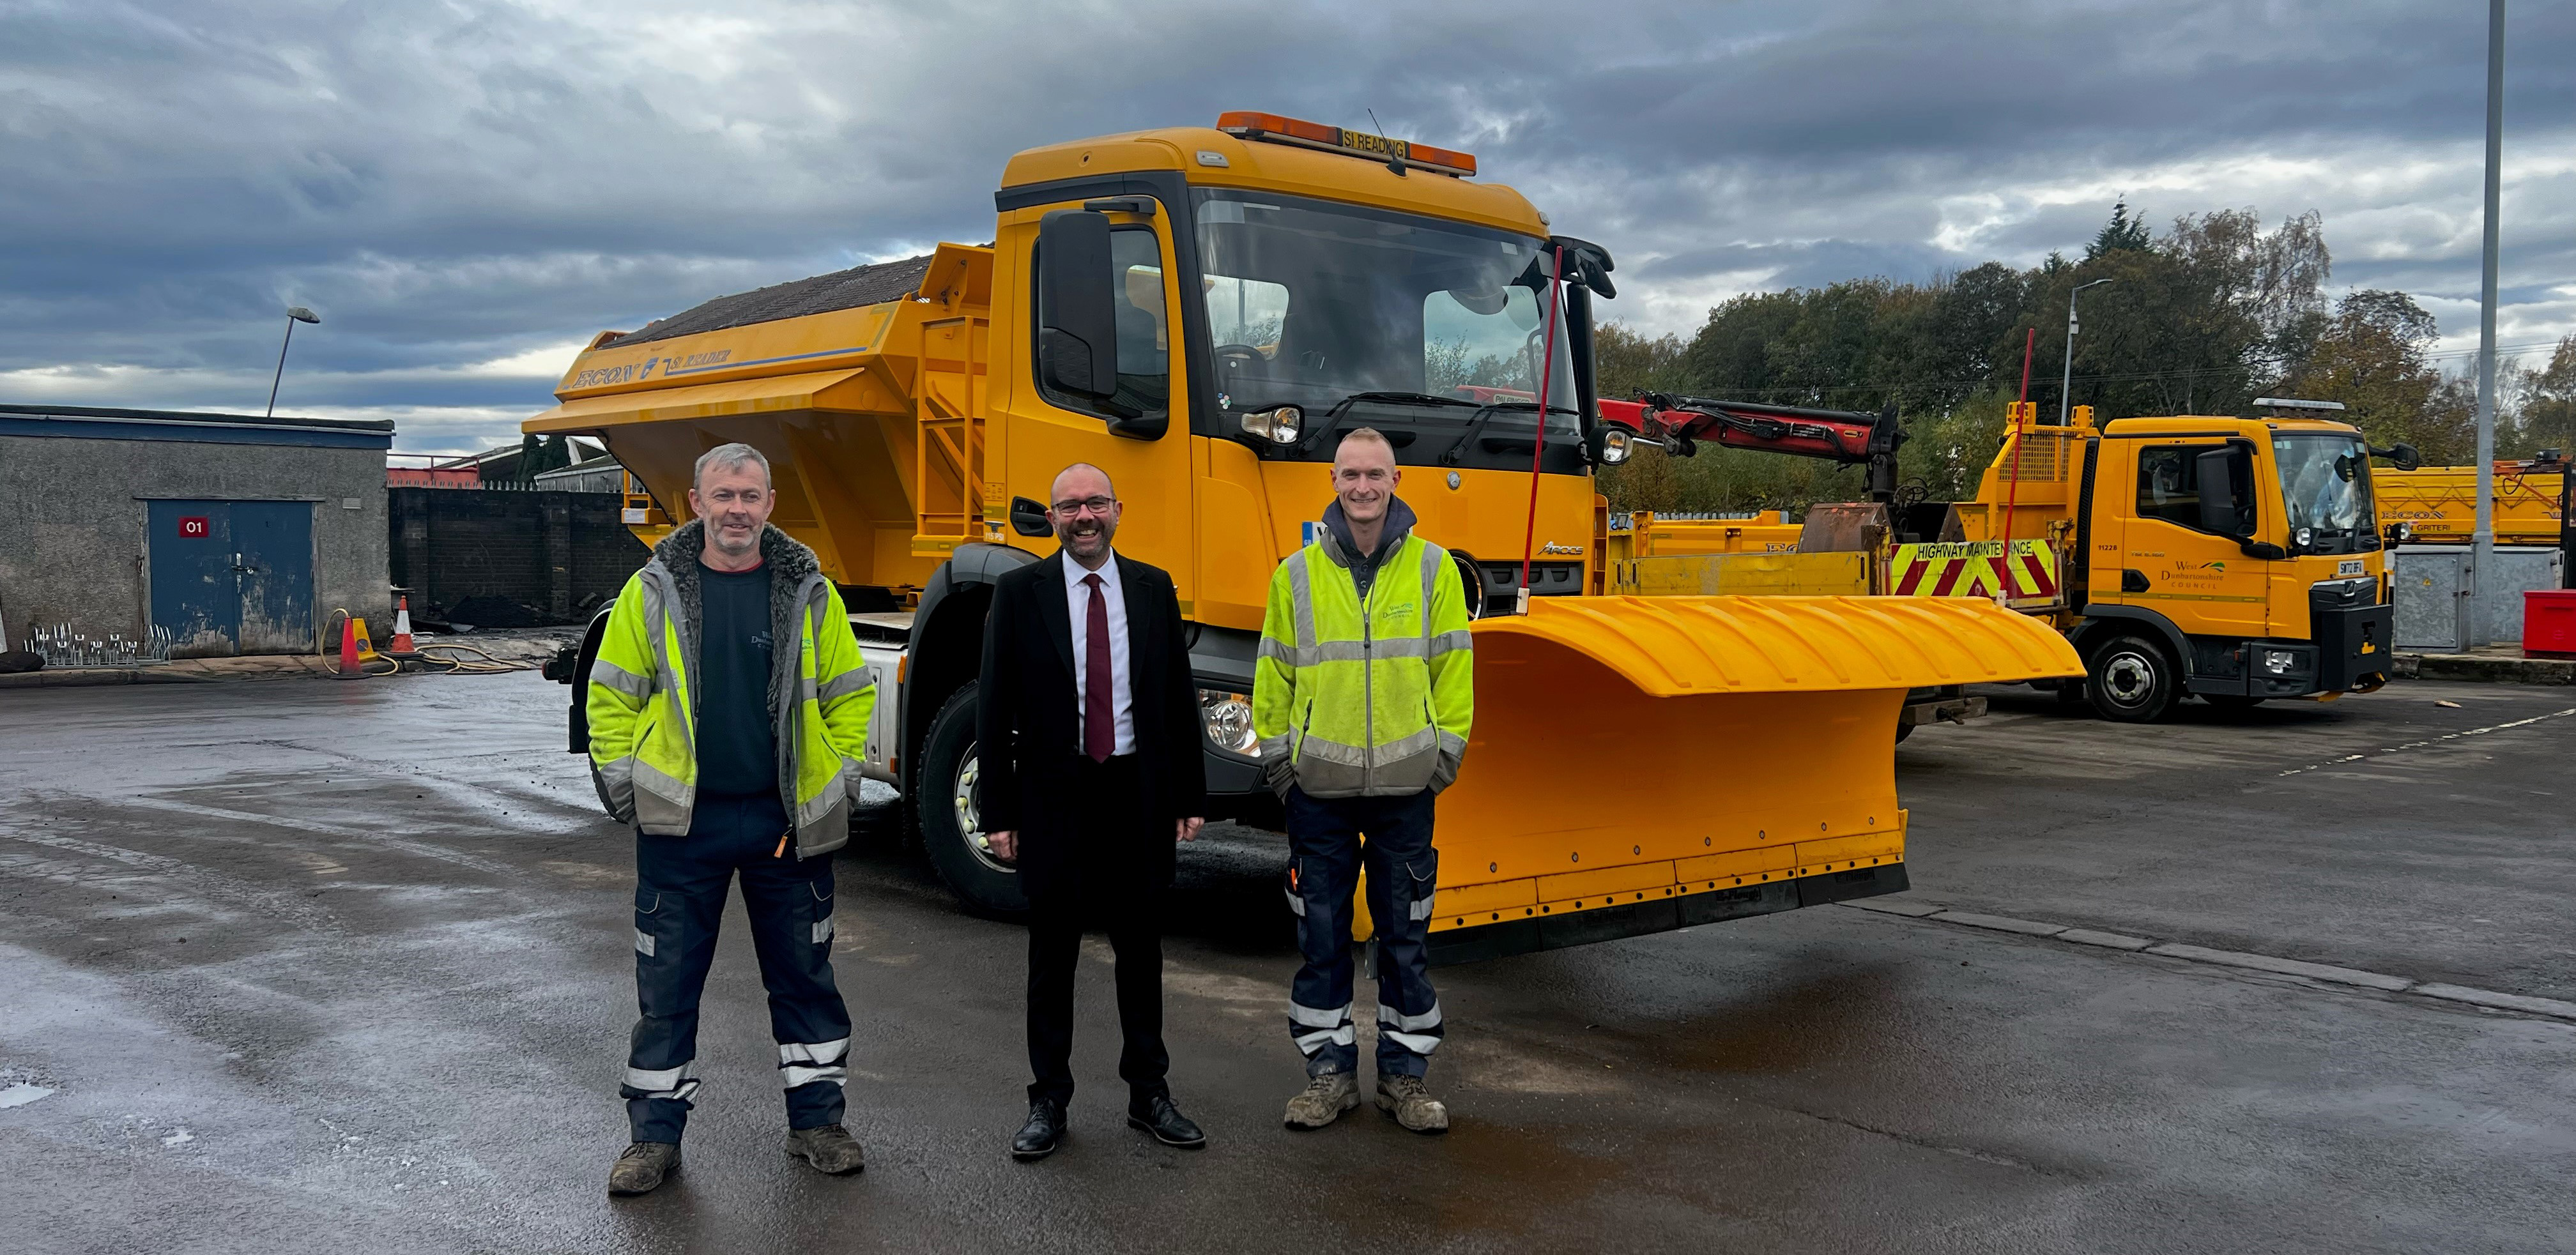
(464, 188)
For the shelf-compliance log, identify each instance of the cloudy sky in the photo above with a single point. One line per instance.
(468, 189)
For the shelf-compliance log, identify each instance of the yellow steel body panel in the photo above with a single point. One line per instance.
(1743, 574)
(1765, 532)
(2441, 503)
(1689, 646)
(1583, 681)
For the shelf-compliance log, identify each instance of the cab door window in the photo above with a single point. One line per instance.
(1144, 329)
(2169, 486)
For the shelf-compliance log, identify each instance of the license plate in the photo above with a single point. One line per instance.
(2348, 568)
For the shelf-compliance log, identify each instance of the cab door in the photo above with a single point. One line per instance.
(2169, 562)
(1139, 432)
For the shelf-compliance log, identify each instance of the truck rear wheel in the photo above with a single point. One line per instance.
(2130, 679)
(944, 789)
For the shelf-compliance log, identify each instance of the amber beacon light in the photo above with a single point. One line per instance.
(1244, 124)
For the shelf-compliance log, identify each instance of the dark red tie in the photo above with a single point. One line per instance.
(1099, 723)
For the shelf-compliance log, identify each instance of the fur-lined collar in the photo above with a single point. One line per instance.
(784, 554)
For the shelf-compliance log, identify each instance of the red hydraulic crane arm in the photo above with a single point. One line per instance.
(1848, 437)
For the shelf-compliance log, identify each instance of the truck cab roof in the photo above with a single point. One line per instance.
(1208, 157)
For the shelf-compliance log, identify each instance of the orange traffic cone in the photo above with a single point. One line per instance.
(401, 643)
(348, 646)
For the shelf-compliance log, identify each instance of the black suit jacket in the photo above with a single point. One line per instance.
(1029, 737)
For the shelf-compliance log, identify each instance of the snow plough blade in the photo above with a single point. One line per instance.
(1641, 764)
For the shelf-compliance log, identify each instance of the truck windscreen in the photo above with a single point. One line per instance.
(1434, 326)
(2325, 487)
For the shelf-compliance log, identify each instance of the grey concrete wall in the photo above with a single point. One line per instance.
(73, 534)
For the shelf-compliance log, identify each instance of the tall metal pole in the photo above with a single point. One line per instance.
(2066, 380)
(2482, 542)
(281, 366)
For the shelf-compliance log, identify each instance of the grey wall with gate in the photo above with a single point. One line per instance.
(554, 551)
(74, 522)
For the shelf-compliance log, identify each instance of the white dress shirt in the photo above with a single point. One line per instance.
(1077, 601)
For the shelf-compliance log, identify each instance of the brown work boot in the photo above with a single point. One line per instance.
(1323, 1100)
(642, 1167)
(1412, 1106)
(830, 1148)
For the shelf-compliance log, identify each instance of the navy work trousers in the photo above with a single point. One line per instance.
(1328, 842)
(680, 888)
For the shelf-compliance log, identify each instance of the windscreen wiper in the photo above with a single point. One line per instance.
(1420, 398)
(1485, 414)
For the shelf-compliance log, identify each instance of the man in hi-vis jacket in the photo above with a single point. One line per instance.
(1362, 695)
(728, 713)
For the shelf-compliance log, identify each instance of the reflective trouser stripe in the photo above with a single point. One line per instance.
(643, 943)
(805, 1063)
(1296, 902)
(1422, 909)
(1415, 1042)
(1388, 1016)
(822, 931)
(678, 1084)
(1417, 1033)
(1325, 1027)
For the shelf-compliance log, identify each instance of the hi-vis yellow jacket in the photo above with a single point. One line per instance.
(1364, 699)
(643, 712)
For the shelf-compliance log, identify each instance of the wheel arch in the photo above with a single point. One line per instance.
(2103, 622)
(946, 648)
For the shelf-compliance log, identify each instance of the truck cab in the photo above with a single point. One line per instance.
(2235, 559)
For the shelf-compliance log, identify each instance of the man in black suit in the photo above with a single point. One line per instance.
(1088, 752)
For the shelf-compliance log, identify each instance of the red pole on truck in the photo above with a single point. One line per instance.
(1538, 444)
(2021, 409)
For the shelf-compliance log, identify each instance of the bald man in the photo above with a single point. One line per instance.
(1089, 770)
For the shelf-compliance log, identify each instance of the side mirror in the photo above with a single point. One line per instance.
(2400, 455)
(1028, 518)
(2218, 491)
(1077, 320)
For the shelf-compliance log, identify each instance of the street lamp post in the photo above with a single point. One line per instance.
(2066, 382)
(294, 315)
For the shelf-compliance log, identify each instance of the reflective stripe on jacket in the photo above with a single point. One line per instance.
(1364, 699)
(643, 709)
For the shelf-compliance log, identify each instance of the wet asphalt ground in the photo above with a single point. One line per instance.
(311, 966)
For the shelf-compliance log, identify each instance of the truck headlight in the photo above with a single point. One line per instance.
(2400, 532)
(2279, 661)
(1281, 425)
(1229, 721)
(2304, 536)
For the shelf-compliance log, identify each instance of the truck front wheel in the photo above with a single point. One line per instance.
(945, 801)
(2130, 680)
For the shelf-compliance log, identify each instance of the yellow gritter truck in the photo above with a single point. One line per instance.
(1201, 312)
(2235, 558)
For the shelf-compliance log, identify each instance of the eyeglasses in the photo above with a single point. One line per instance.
(1097, 505)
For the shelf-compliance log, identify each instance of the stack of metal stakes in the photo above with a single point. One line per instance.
(60, 646)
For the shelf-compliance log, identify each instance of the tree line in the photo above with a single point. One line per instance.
(2201, 318)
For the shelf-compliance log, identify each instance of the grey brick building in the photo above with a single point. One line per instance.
(237, 533)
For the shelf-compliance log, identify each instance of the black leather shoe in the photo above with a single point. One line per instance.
(1165, 1121)
(1038, 1138)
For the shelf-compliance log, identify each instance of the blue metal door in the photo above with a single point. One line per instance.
(233, 577)
(196, 597)
(275, 542)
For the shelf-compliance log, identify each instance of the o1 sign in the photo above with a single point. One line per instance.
(192, 526)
